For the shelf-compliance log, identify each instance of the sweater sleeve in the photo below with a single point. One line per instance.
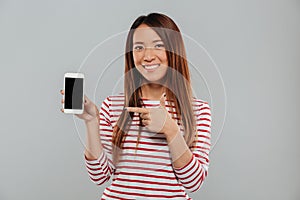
(195, 171)
(101, 169)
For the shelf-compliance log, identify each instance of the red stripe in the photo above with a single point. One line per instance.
(116, 104)
(201, 157)
(205, 113)
(146, 156)
(105, 104)
(198, 100)
(203, 142)
(204, 119)
(145, 162)
(105, 135)
(144, 195)
(108, 130)
(207, 125)
(199, 185)
(145, 175)
(145, 169)
(148, 149)
(147, 143)
(104, 111)
(102, 179)
(106, 148)
(189, 176)
(204, 136)
(147, 182)
(202, 130)
(117, 100)
(199, 179)
(145, 188)
(203, 108)
(101, 167)
(115, 197)
(141, 136)
(200, 147)
(105, 124)
(95, 174)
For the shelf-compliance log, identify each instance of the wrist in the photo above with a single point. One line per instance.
(92, 121)
(172, 133)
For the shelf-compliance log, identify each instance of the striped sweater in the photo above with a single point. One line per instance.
(148, 173)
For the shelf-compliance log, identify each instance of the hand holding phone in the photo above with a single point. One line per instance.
(73, 93)
(74, 100)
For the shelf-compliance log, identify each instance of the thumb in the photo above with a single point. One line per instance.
(163, 100)
(87, 100)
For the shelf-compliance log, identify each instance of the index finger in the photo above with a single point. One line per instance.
(137, 109)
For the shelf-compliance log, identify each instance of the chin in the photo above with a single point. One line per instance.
(153, 80)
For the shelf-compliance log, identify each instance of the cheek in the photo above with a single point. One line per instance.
(163, 57)
(137, 58)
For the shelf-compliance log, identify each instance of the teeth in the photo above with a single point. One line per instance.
(150, 66)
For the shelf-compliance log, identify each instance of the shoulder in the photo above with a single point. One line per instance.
(196, 102)
(201, 107)
(202, 112)
(114, 101)
(116, 97)
(114, 104)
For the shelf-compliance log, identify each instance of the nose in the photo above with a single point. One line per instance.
(149, 54)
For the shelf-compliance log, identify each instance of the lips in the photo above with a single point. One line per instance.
(151, 67)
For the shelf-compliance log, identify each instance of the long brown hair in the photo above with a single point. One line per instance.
(178, 86)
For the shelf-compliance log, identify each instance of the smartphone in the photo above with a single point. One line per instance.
(74, 93)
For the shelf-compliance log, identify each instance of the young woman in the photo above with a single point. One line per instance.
(153, 140)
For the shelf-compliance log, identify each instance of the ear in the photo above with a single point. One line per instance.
(163, 100)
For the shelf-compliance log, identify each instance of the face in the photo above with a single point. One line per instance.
(149, 54)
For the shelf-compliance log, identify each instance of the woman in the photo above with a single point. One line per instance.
(155, 137)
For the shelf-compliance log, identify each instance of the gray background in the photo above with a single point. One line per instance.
(255, 44)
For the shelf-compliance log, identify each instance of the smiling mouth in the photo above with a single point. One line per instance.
(151, 67)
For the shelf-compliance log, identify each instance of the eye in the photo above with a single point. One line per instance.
(138, 48)
(160, 46)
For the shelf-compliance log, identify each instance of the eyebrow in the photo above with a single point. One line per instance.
(143, 42)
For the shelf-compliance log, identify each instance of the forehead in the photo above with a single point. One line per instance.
(145, 33)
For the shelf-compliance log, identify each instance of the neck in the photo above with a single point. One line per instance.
(152, 91)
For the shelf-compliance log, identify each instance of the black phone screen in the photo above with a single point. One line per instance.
(73, 93)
